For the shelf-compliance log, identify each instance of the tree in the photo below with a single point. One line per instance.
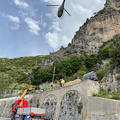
(91, 60)
(100, 74)
(104, 52)
(115, 54)
(79, 74)
(41, 76)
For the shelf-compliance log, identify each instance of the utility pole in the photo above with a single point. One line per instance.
(53, 74)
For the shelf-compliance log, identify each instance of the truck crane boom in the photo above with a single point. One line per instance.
(21, 109)
(24, 93)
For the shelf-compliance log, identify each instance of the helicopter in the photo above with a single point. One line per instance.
(61, 9)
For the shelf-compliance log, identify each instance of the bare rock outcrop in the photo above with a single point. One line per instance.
(114, 4)
(112, 80)
(100, 28)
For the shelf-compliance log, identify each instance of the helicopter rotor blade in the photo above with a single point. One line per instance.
(67, 12)
(53, 5)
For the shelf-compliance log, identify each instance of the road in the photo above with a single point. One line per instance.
(2, 118)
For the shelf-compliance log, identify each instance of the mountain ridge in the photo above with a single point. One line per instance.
(88, 40)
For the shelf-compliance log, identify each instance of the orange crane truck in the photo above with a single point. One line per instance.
(21, 110)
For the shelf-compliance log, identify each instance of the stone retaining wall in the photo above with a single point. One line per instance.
(70, 102)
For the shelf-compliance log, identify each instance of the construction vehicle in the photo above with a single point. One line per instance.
(21, 110)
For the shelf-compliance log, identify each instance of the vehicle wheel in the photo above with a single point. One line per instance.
(22, 117)
(13, 116)
(25, 118)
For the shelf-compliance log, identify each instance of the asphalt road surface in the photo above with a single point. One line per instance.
(2, 118)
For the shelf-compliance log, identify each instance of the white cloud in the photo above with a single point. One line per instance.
(33, 25)
(99, 1)
(54, 2)
(52, 39)
(80, 9)
(49, 15)
(62, 30)
(43, 23)
(23, 14)
(14, 19)
(66, 40)
(16, 27)
(21, 3)
(55, 26)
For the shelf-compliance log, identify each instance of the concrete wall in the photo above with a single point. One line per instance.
(103, 109)
(104, 106)
(94, 108)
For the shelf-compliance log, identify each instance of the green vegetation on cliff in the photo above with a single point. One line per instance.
(113, 95)
(110, 50)
(24, 69)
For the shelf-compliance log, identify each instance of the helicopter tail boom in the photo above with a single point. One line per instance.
(67, 12)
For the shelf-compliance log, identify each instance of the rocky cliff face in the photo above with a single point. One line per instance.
(100, 28)
(96, 30)
(111, 81)
(114, 4)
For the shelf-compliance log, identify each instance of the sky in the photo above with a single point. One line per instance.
(31, 28)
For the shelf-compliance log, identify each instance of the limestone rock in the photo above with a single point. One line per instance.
(112, 80)
(100, 28)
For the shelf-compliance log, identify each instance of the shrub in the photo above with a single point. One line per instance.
(91, 60)
(80, 106)
(102, 93)
(107, 67)
(75, 51)
(79, 74)
(100, 74)
(104, 53)
(92, 34)
(101, 11)
(113, 95)
(115, 54)
(22, 86)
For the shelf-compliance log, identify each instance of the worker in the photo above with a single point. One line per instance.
(101, 85)
(60, 83)
(52, 85)
(63, 81)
